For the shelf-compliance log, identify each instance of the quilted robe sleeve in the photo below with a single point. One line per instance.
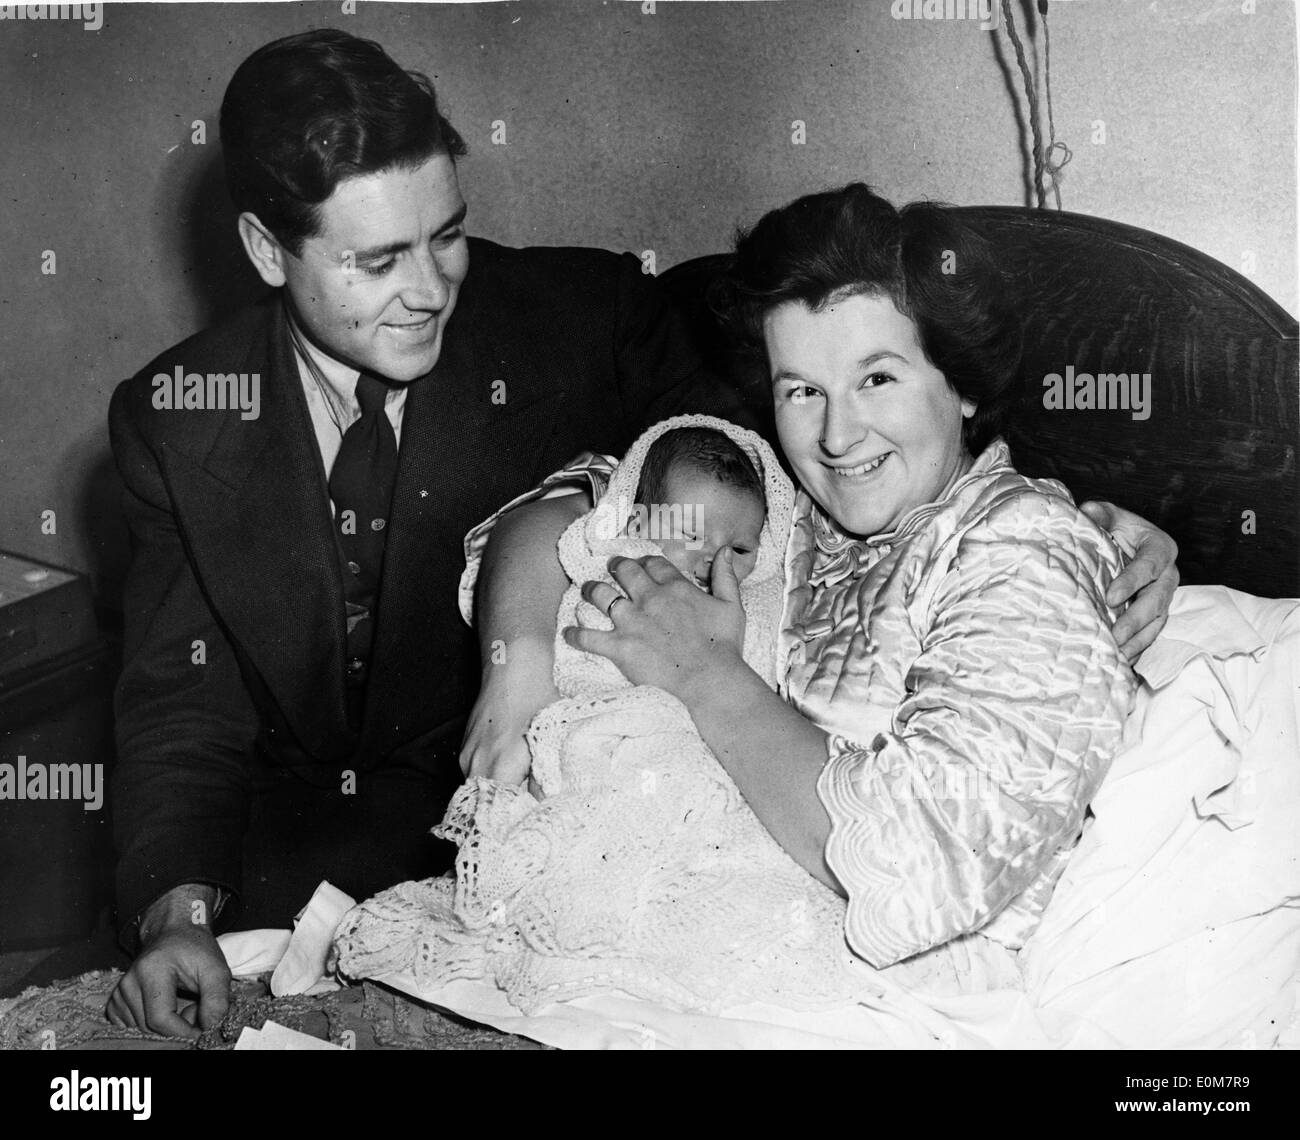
(1012, 713)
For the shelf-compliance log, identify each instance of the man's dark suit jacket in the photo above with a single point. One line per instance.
(233, 545)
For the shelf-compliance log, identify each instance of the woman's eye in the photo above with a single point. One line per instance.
(800, 395)
(875, 379)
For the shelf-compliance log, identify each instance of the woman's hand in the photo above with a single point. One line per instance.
(667, 632)
(1148, 581)
(514, 690)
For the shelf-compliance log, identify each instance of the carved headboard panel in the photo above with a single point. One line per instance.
(1213, 461)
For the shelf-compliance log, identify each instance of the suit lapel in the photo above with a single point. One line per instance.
(259, 526)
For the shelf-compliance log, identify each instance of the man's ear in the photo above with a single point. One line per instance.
(266, 254)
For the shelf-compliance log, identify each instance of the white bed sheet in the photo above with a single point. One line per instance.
(1176, 925)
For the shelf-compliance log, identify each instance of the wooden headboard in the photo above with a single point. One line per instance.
(1214, 462)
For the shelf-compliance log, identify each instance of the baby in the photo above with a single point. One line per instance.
(638, 866)
(699, 494)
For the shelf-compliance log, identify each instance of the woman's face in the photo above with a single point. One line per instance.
(870, 426)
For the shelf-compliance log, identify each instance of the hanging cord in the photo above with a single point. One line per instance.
(1032, 96)
(1053, 158)
(1052, 162)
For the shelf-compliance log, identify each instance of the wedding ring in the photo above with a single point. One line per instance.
(609, 613)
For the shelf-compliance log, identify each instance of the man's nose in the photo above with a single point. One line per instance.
(843, 427)
(426, 288)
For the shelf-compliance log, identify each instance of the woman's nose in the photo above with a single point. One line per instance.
(842, 428)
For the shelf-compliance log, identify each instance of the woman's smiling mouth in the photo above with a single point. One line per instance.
(862, 468)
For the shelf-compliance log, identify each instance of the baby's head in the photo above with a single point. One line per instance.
(699, 493)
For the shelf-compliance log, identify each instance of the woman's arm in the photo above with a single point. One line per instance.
(520, 584)
(510, 592)
(775, 757)
(680, 639)
(1013, 712)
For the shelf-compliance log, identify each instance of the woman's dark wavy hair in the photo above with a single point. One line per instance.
(305, 112)
(942, 275)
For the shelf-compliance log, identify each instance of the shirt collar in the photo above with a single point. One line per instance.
(339, 377)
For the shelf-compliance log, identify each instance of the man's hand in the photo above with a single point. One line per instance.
(179, 955)
(1148, 581)
(514, 690)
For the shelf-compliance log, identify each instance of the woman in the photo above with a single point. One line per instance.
(954, 691)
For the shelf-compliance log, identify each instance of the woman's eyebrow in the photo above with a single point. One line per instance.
(787, 374)
(883, 354)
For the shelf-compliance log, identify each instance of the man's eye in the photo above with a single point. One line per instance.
(741, 551)
(379, 269)
(450, 236)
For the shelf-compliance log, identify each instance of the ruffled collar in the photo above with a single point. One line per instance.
(837, 555)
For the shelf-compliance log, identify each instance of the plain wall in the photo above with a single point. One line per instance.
(625, 130)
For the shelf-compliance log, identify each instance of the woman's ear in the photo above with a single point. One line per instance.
(967, 408)
(266, 254)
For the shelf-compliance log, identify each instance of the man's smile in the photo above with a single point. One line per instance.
(412, 328)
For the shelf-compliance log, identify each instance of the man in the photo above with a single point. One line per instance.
(297, 677)
(297, 680)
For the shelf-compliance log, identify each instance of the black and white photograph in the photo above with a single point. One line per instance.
(668, 526)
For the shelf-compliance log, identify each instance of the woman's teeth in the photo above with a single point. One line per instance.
(861, 468)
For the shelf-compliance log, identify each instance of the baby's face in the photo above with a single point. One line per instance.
(701, 517)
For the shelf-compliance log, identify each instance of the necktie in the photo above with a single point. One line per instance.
(361, 486)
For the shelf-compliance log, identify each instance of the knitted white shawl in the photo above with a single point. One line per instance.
(642, 870)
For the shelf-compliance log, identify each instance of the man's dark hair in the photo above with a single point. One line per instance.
(937, 271)
(704, 450)
(305, 112)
